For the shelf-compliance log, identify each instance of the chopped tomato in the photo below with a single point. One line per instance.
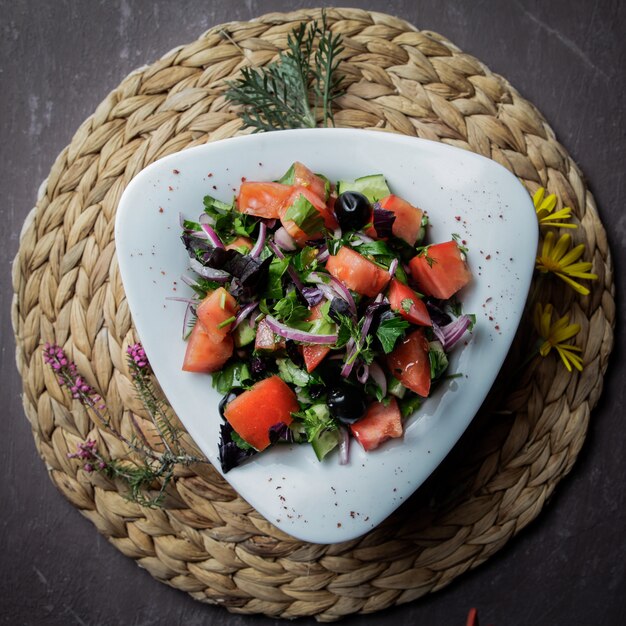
(215, 311)
(314, 354)
(205, 354)
(265, 404)
(410, 364)
(262, 199)
(441, 270)
(304, 177)
(357, 273)
(406, 302)
(239, 243)
(379, 424)
(293, 229)
(408, 220)
(266, 339)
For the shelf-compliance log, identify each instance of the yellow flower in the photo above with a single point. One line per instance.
(554, 335)
(546, 215)
(556, 258)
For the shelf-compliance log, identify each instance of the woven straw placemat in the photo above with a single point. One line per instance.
(206, 540)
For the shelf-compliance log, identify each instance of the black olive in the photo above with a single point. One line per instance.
(353, 210)
(293, 353)
(229, 397)
(338, 306)
(346, 403)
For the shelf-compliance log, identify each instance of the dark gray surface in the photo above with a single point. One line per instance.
(59, 59)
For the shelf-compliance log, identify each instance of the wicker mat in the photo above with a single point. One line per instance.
(206, 540)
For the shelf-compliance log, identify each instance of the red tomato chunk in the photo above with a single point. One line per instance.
(379, 424)
(357, 273)
(265, 404)
(441, 270)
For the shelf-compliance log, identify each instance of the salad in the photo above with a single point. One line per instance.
(320, 310)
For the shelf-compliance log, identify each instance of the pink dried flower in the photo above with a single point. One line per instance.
(138, 355)
(68, 375)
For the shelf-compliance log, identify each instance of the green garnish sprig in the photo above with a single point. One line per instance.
(298, 88)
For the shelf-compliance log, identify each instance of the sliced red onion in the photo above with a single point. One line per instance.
(452, 332)
(393, 267)
(271, 222)
(441, 338)
(284, 240)
(205, 219)
(378, 376)
(364, 238)
(323, 254)
(189, 311)
(344, 447)
(344, 293)
(208, 272)
(298, 335)
(212, 236)
(275, 249)
(260, 242)
(337, 233)
(296, 279)
(363, 373)
(329, 292)
(339, 289)
(243, 313)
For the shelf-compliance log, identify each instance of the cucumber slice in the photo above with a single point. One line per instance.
(396, 388)
(324, 442)
(243, 335)
(373, 187)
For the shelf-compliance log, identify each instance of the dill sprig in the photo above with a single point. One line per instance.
(299, 87)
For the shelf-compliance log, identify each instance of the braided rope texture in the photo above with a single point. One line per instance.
(206, 540)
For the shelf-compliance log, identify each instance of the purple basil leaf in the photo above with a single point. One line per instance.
(383, 221)
(231, 455)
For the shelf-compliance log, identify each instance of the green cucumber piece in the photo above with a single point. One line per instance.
(373, 187)
(396, 388)
(243, 335)
(324, 442)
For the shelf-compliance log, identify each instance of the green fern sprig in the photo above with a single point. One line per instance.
(294, 90)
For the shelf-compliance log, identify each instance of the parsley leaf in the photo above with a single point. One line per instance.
(389, 330)
(290, 311)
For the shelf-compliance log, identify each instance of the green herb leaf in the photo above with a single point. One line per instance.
(290, 311)
(438, 359)
(390, 330)
(235, 375)
(305, 216)
(274, 288)
(409, 404)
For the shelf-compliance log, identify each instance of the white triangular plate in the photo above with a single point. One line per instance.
(463, 193)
